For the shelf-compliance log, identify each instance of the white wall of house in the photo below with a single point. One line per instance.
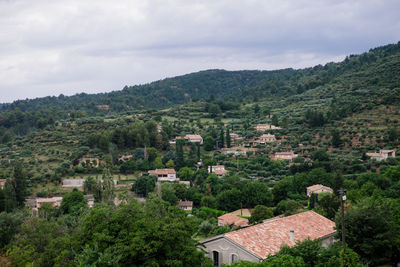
(226, 249)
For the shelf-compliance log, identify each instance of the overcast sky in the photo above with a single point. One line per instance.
(49, 47)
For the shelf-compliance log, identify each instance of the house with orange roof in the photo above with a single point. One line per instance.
(2, 183)
(219, 170)
(164, 174)
(317, 189)
(194, 138)
(232, 220)
(266, 138)
(285, 155)
(382, 155)
(256, 243)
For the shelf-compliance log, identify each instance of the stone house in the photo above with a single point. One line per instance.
(382, 155)
(219, 170)
(164, 174)
(54, 201)
(266, 138)
(285, 155)
(256, 243)
(317, 189)
(266, 127)
(185, 205)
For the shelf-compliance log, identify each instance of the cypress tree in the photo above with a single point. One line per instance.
(228, 138)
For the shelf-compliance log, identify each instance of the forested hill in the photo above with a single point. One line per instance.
(375, 72)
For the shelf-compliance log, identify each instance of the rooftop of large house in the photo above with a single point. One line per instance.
(162, 171)
(266, 238)
(193, 137)
(232, 220)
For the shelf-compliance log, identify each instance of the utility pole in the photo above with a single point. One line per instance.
(342, 193)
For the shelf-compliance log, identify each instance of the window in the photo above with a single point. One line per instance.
(234, 258)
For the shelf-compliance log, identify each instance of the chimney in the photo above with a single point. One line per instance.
(291, 235)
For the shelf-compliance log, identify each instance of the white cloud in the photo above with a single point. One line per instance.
(53, 47)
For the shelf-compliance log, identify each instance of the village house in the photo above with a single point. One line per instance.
(54, 201)
(125, 158)
(232, 220)
(164, 174)
(103, 107)
(285, 155)
(317, 189)
(2, 183)
(266, 127)
(382, 155)
(255, 243)
(266, 138)
(219, 170)
(185, 205)
(194, 138)
(159, 128)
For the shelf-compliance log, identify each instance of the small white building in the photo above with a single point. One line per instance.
(164, 175)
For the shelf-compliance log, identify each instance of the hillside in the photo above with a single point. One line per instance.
(359, 82)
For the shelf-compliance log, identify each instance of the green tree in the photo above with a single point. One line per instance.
(73, 203)
(180, 161)
(372, 229)
(256, 193)
(186, 174)
(221, 141)
(260, 213)
(144, 185)
(10, 225)
(229, 200)
(336, 140)
(209, 143)
(228, 138)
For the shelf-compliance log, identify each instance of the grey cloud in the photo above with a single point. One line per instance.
(52, 47)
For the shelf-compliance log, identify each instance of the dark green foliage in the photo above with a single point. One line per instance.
(209, 143)
(228, 138)
(73, 203)
(372, 230)
(229, 200)
(256, 193)
(142, 236)
(336, 139)
(315, 118)
(260, 213)
(9, 225)
(144, 185)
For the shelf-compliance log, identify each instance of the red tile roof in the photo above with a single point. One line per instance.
(162, 171)
(267, 238)
(230, 219)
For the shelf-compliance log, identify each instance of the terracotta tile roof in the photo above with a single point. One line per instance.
(162, 171)
(267, 238)
(193, 137)
(230, 219)
(185, 203)
(317, 187)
